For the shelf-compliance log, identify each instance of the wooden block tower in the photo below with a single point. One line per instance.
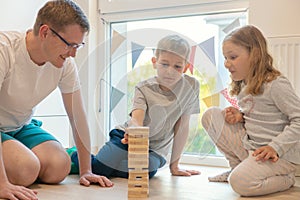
(138, 154)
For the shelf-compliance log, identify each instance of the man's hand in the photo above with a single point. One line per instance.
(88, 178)
(265, 153)
(15, 192)
(233, 115)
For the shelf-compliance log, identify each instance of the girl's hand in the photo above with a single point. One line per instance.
(265, 153)
(233, 115)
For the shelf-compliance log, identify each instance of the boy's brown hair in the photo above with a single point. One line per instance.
(174, 44)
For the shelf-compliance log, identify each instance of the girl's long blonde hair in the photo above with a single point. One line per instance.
(261, 62)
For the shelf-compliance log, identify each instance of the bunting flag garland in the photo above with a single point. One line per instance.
(192, 59)
(231, 100)
(208, 47)
(233, 25)
(213, 100)
(115, 97)
(136, 50)
(117, 40)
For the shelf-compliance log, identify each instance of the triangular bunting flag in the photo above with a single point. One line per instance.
(208, 47)
(231, 100)
(192, 59)
(136, 50)
(233, 25)
(115, 97)
(213, 100)
(117, 40)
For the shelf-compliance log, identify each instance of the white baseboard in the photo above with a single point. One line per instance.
(216, 161)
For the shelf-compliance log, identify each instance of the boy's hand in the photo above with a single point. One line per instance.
(233, 115)
(175, 171)
(125, 139)
(265, 153)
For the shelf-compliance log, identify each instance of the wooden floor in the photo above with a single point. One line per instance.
(162, 187)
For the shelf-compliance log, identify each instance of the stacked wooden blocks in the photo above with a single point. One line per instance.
(138, 154)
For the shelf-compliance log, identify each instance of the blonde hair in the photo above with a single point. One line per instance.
(261, 62)
(174, 44)
(60, 13)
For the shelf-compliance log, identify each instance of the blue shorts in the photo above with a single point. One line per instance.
(30, 135)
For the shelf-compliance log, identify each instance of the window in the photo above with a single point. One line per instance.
(132, 45)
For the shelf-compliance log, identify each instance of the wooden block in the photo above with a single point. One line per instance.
(138, 132)
(138, 141)
(138, 193)
(138, 155)
(138, 175)
(138, 148)
(139, 170)
(138, 164)
(138, 189)
(138, 184)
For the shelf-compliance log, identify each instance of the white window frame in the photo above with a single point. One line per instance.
(126, 10)
(121, 11)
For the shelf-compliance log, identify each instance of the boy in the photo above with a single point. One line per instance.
(163, 103)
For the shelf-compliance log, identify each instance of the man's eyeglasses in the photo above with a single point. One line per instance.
(69, 45)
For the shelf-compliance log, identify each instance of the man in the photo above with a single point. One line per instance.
(32, 65)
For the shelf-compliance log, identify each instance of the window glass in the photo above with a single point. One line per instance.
(132, 47)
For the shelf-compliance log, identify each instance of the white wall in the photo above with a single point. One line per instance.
(18, 15)
(276, 18)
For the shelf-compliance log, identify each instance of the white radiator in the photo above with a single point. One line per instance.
(286, 54)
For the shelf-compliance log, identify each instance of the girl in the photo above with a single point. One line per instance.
(261, 142)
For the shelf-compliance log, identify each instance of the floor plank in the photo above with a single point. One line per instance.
(162, 187)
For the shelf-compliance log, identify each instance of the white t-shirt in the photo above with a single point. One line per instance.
(24, 84)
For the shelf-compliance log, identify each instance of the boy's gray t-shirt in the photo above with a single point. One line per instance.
(273, 118)
(163, 109)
